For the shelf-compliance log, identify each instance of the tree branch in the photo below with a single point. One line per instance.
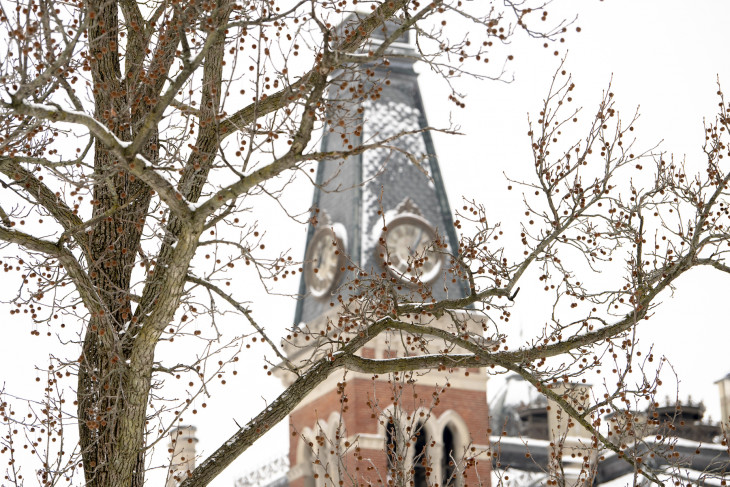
(246, 312)
(43, 196)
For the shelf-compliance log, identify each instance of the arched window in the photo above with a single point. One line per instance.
(448, 458)
(323, 458)
(420, 459)
(305, 458)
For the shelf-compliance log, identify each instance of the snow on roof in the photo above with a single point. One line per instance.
(695, 477)
(517, 440)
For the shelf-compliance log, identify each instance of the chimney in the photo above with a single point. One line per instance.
(724, 386)
(182, 447)
(572, 450)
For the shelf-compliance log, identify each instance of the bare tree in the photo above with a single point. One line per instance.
(134, 137)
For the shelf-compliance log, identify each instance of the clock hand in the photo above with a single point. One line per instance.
(319, 256)
(414, 247)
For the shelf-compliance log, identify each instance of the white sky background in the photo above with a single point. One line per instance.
(664, 55)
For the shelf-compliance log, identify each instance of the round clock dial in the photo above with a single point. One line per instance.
(323, 260)
(410, 252)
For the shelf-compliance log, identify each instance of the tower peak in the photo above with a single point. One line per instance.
(385, 205)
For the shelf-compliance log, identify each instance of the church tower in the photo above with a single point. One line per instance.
(373, 214)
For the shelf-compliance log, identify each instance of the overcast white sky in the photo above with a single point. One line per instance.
(664, 55)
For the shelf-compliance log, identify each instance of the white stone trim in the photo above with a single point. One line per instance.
(368, 441)
(297, 471)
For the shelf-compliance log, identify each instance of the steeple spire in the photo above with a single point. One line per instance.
(397, 186)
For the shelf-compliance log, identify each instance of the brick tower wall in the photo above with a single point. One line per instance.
(463, 406)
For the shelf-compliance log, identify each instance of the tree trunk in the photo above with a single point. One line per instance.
(115, 369)
(114, 243)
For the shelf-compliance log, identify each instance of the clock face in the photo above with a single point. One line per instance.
(410, 252)
(323, 260)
